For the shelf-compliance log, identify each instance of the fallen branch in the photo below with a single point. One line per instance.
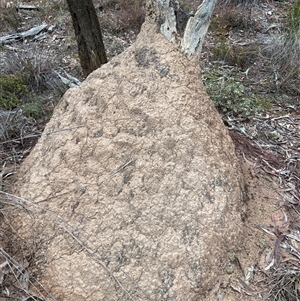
(69, 80)
(22, 35)
(27, 7)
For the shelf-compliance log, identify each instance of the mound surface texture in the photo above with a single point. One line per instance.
(136, 192)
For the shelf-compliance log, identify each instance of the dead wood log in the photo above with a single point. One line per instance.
(68, 79)
(27, 7)
(22, 35)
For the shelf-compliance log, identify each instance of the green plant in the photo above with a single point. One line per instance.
(262, 241)
(231, 97)
(12, 89)
(232, 257)
(35, 67)
(229, 269)
(221, 50)
(35, 108)
(293, 20)
(15, 95)
(29, 84)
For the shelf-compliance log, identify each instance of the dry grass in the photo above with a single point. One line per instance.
(31, 63)
(284, 53)
(238, 2)
(283, 283)
(9, 19)
(18, 271)
(121, 16)
(283, 57)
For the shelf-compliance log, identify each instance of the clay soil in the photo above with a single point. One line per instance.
(270, 165)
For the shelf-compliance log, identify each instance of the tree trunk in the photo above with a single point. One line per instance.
(197, 27)
(88, 33)
(165, 14)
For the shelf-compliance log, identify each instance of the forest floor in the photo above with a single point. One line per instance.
(243, 73)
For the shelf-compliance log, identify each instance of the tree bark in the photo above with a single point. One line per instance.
(88, 34)
(164, 13)
(197, 27)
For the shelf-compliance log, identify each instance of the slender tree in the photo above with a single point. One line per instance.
(88, 34)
